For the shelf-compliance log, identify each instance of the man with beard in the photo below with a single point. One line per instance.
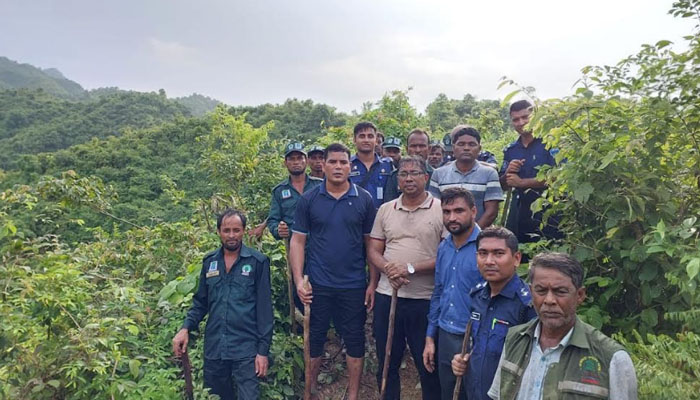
(556, 355)
(391, 148)
(405, 237)
(521, 161)
(468, 173)
(456, 274)
(315, 157)
(417, 144)
(331, 232)
(234, 289)
(286, 194)
(367, 169)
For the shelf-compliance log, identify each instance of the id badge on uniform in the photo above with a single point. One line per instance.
(380, 193)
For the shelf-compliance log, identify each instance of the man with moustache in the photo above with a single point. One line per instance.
(391, 148)
(234, 289)
(556, 355)
(286, 194)
(315, 158)
(404, 243)
(436, 154)
(367, 169)
(335, 220)
(502, 301)
(417, 144)
(468, 173)
(456, 274)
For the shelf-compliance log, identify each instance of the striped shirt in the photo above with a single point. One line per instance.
(482, 181)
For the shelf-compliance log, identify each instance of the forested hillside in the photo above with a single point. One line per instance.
(14, 75)
(107, 206)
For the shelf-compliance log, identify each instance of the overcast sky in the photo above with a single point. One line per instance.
(342, 53)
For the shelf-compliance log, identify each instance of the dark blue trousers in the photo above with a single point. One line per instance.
(219, 376)
(410, 324)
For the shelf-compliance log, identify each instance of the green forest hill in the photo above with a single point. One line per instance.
(108, 198)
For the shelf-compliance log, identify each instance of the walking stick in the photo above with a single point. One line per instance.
(465, 343)
(307, 345)
(506, 207)
(290, 287)
(389, 342)
(187, 372)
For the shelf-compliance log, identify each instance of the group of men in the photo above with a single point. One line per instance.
(365, 227)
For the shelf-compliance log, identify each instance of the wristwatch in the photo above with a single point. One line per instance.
(411, 269)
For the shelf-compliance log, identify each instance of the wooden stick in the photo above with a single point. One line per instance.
(506, 207)
(187, 374)
(307, 345)
(290, 288)
(465, 343)
(389, 342)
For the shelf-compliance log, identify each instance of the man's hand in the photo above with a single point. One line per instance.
(459, 364)
(283, 229)
(261, 364)
(395, 270)
(513, 180)
(514, 166)
(398, 282)
(429, 354)
(369, 297)
(257, 232)
(180, 342)
(304, 295)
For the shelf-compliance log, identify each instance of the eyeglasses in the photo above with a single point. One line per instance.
(405, 174)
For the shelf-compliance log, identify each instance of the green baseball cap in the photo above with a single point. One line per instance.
(447, 142)
(292, 147)
(392, 141)
(315, 148)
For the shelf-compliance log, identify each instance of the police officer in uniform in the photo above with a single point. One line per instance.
(391, 148)
(286, 193)
(447, 144)
(234, 289)
(367, 169)
(315, 161)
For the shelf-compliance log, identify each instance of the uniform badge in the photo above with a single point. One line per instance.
(590, 368)
(476, 316)
(286, 193)
(213, 266)
(245, 271)
(213, 273)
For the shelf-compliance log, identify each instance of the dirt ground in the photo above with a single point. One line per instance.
(334, 368)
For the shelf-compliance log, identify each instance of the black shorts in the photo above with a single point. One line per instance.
(347, 308)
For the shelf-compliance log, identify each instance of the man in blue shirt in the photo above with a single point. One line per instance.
(521, 160)
(500, 302)
(336, 219)
(455, 274)
(368, 170)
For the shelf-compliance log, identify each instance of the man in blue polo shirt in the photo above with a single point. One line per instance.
(521, 160)
(502, 301)
(455, 274)
(336, 219)
(368, 170)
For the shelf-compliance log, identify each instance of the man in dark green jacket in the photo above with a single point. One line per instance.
(558, 356)
(234, 289)
(286, 193)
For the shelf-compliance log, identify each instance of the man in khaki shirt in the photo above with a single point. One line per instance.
(405, 238)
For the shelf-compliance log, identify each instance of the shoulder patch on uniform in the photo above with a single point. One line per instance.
(481, 285)
(286, 193)
(524, 295)
(475, 316)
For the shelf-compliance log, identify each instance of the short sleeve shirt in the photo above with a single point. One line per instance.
(335, 229)
(482, 181)
(376, 184)
(409, 236)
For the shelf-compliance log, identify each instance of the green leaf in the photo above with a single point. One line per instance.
(508, 97)
(55, 383)
(662, 43)
(655, 249)
(276, 257)
(134, 366)
(649, 272)
(693, 268)
(607, 159)
(650, 317)
(133, 329)
(582, 192)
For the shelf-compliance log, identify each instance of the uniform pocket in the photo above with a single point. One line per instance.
(244, 287)
(497, 337)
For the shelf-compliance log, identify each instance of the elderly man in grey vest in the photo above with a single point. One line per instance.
(558, 356)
